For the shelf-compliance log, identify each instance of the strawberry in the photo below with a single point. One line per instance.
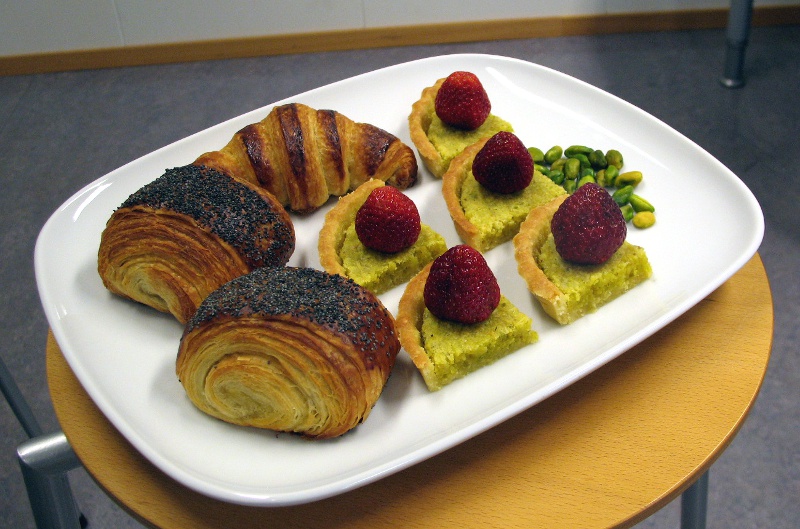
(388, 221)
(461, 287)
(588, 227)
(462, 102)
(503, 164)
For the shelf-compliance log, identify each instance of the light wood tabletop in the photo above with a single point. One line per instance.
(607, 451)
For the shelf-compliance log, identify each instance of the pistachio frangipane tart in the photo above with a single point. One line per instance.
(341, 252)
(444, 351)
(437, 142)
(484, 219)
(568, 291)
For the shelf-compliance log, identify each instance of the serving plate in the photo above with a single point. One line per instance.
(124, 353)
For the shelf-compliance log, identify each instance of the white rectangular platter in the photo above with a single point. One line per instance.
(124, 354)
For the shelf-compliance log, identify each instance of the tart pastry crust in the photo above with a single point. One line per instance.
(532, 234)
(452, 185)
(288, 349)
(409, 324)
(419, 121)
(595, 285)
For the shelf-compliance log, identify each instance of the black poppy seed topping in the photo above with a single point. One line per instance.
(229, 209)
(331, 301)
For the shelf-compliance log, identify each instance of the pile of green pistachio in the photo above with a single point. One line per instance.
(578, 165)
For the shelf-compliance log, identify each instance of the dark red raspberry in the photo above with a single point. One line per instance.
(462, 102)
(461, 287)
(503, 164)
(388, 221)
(588, 227)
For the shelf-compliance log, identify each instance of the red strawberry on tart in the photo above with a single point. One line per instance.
(491, 187)
(449, 116)
(452, 319)
(375, 237)
(573, 254)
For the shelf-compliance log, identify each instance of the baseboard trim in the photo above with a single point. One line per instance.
(388, 37)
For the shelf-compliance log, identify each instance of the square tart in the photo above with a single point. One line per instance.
(585, 288)
(506, 212)
(378, 272)
(423, 114)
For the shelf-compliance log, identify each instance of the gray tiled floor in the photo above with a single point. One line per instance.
(60, 131)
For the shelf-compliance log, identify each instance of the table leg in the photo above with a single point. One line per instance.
(694, 501)
(44, 462)
(736, 38)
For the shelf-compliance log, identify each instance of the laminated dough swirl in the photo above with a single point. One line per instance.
(182, 236)
(289, 349)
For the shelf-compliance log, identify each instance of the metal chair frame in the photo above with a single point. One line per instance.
(737, 36)
(44, 461)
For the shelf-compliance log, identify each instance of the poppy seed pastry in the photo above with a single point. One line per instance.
(182, 236)
(288, 349)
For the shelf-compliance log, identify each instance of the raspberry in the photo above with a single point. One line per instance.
(588, 227)
(503, 164)
(388, 221)
(462, 102)
(461, 287)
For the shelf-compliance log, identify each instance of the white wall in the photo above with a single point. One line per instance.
(35, 26)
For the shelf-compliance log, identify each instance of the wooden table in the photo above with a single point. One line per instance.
(607, 451)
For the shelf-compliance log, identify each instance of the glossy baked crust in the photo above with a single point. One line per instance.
(419, 121)
(409, 324)
(288, 349)
(337, 220)
(180, 237)
(532, 234)
(452, 184)
(303, 156)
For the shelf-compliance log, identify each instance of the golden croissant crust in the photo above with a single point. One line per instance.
(303, 156)
(182, 236)
(288, 349)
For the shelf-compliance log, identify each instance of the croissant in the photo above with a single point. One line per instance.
(303, 156)
(182, 236)
(288, 349)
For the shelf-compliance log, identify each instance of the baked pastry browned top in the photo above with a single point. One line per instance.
(243, 217)
(180, 237)
(331, 302)
(289, 349)
(303, 156)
